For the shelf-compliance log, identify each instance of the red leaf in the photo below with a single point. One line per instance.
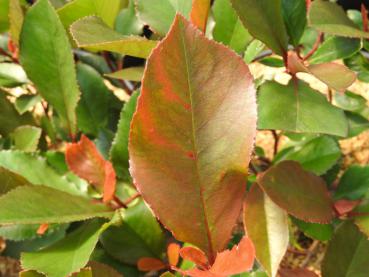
(173, 253)
(199, 13)
(42, 229)
(150, 264)
(344, 206)
(296, 273)
(195, 255)
(84, 160)
(180, 155)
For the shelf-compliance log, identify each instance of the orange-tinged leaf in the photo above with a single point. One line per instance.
(42, 229)
(173, 253)
(180, 155)
(199, 13)
(344, 206)
(296, 273)
(84, 160)
(194, 255)
(149, 264)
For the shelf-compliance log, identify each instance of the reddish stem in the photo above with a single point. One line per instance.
(315, 46)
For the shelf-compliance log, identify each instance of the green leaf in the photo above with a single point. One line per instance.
(228, 28)
(330, 18)
(26, 138)
(10, 180)
(127, 22)
(349, 101)
(36, 171)
(46, 56)
(317, 155)
(16, 18)
(272, 62)
(354, 183)
(46, 205)
(102, 270)
(130, 73)
(299, 192)
(92, 33)
(357, 124)
(263, 19)
(294, 15)
(67, 255)
(119, 151)
(92, 109)
(4, 11)
(12, 75)
(159, 14)
(107, 10)
(322, 232)
(10, 118)
(254, 49)
(20, 232)
(360, 65)
(267, 226)
(177, 139)
(347, 253)
(25, 102)
(335, 48)
(298, 108)
(140, 235)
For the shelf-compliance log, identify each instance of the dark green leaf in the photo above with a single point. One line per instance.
(10, 180)
(354, 183)
(322, 232)
(357, 124)
(360, 65)
(294, 15)
(272, 62)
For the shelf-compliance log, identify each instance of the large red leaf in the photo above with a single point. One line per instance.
(192, 135)
(84, 160)
(299, 192)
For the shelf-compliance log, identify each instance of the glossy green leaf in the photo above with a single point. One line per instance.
(46, 205)
(26, 138)
(159, 14)
(46, 56)
(130, 74)
(10, 180)
(357, 124)
(294, 15)
(263, 19)
(299, 192)
(298, 108)
(25, 102)
(267, 226)
(140, 235)
(322, 232)
(360, 65)
(127, 22)
(12, 75)
(119, 151)
(92, 33)
(4, 11)
(92, 109)
(317, 155)
(194, 164)
(346, 255)
(335, 48)
(228, 28)
(107, 10)
(16, 18)
(36, 171)
(354, 183)
(10, 118)
(67, 255)
(330, 18)
(349, 101)
(253, 49)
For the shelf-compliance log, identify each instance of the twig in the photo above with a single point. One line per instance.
(330, 95)
(315, 47)
(276, 142)
(132, 198)
(262, 55)
(310, 253)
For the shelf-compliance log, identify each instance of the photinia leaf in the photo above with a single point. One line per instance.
(46, 205)
(159, 14)
(4, 11)
(267, 226)
(12, 75)
(350, 101)
(85, 161)
(26, 138)
(360, 65)
(344, 206)
(10, 180)
(263, 19)
(322, 232)
(130, 73)
(357, 124)
(194, 164)
(46, 56)
(103, 270)
(25, 102)
(173, 253)
(195, 255)
(16, 18)
(199, 13)
(299, 192)
(297, 272)
(298, 108)
(294, 15)
(67, 255)
(127, 22)
(92, 33)
(330, 18)
(347, 253)
(149, 264)
(354, 183)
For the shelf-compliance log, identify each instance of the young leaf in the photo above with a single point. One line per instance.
(354, 183)
(228, 28)
(194, 255)
(294, 15)
(299, 192)
(46, 56)
(26, 138)
(194, 164)
(199, 13)
(267, 226)
(159, 14)
(330, 18)
(67, 255)
(130, 73)
(46, 205)
(347, 253)
(119, 149)
(298, 108)
(92, 33)
(173, 253)
(16, 18)
(263, 19)
(150, 264)
(85, 161)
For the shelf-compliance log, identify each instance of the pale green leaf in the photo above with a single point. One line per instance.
(26, 138)
(130, 74)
